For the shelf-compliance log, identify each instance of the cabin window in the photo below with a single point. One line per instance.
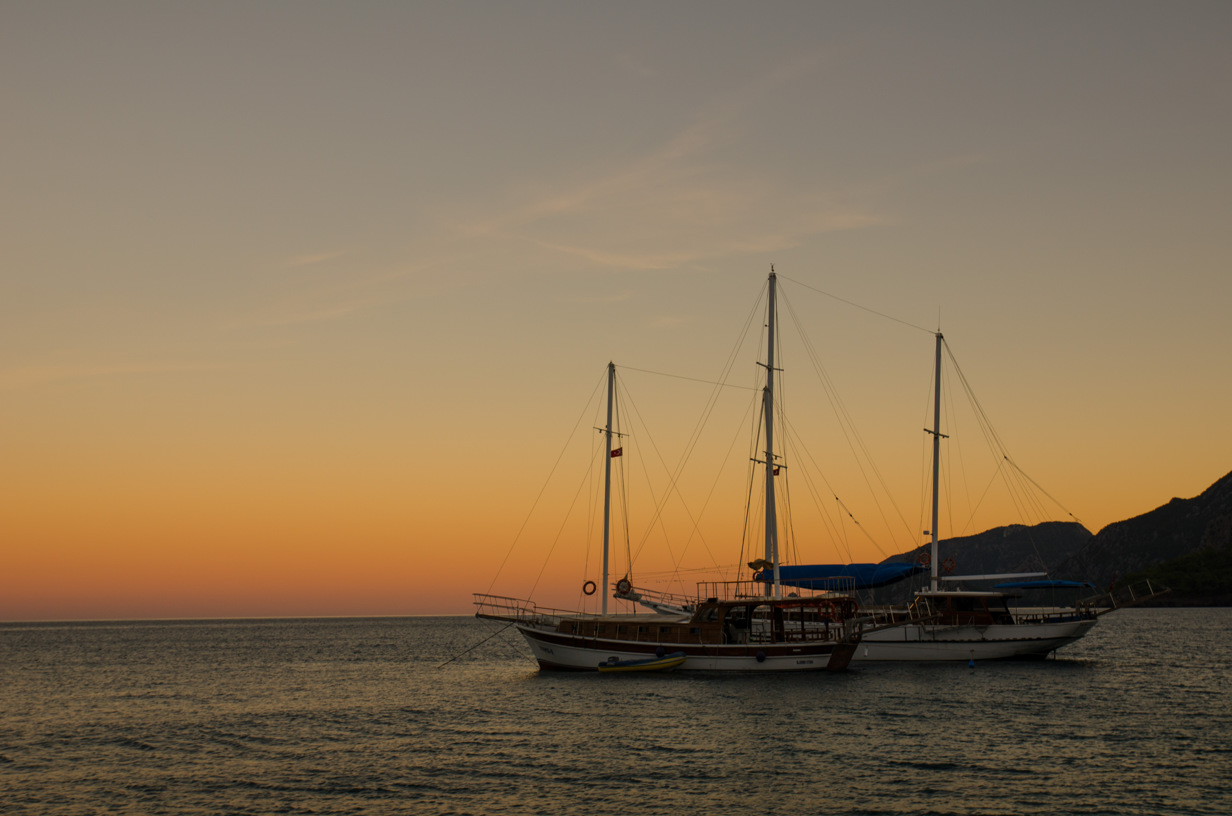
(642, 630)
(620, 630)
(695, 630)
(665, 630)
(600, 629)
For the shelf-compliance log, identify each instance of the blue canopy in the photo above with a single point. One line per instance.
(1045, 585)
(840, 576)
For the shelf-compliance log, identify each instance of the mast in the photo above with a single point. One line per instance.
(607, 480)
(772, 548)
(936, 432)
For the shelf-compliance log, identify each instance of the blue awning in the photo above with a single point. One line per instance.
(1045, 585)
(840, 576)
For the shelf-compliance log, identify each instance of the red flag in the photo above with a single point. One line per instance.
(776, 471)
(618, 452)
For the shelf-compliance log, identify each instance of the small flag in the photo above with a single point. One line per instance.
(776, 470)
(618, 452)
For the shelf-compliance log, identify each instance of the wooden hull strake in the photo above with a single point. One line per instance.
(561, 652)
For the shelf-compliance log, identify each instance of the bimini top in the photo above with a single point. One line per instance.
(840, 576)
(1045, 585)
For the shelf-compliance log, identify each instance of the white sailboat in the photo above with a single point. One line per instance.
(955, 624)
(730, 626)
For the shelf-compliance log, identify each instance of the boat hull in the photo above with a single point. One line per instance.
(557, 652)
(935, 642)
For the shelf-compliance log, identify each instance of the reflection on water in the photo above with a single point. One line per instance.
(354, 716)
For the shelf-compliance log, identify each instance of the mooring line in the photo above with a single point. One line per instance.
(476, 646)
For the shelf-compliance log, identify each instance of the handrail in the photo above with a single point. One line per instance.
(1133, 594)
(517, 610)
(754, 590)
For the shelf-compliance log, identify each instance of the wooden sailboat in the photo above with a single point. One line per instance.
(730, 626)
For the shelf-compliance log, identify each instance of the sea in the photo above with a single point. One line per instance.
(449, 715)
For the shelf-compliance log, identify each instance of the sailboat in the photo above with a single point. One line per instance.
(729, 626)
(957, 624)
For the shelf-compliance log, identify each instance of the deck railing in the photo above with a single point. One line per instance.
(1120, 597)
(751, 590)
(516, 610)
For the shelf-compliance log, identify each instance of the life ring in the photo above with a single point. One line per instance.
(624, 586)
(948, 565)
(589, 588)
(924, 559)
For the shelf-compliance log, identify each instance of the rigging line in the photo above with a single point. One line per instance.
(851, 432)
(546, 482)
(789, 523)
(708, 410)
(829, 488)
(995, 446)
(624, 484)
(954, 460)
(1022, 498)
(673, 487)
(746, 538)
(836, 527)
(995, 443)
(690, 379)
(1015, 466)
(560, 531)
(983, 495)
(846, 422)
(792, 442)
(857, 305)
(595, 502)
(687, 571)
(476, 646)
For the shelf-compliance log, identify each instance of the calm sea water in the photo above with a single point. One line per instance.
(351, 716)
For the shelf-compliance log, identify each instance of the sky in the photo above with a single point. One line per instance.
(300, 301)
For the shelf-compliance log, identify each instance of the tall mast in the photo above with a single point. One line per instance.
(936, 432)
(772, 545)
(607, 480)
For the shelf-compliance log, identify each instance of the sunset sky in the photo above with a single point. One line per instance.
(300, 301)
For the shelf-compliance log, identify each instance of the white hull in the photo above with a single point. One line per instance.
(554, 651)
(924, 642)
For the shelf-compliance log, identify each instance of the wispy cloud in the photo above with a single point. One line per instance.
(670, 321)
(680, 203)
(311, 260)
(294, 314)
(619, 297)
(632, 65)
(35, 375)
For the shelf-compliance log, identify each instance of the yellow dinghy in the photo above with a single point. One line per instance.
(668, 661)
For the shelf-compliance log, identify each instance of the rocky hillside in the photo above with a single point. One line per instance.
(1194, 533)
(1013, 549)
(1016, 548)
(1186, 545)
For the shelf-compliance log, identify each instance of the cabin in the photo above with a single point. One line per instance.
(962, 608)
(715, 622)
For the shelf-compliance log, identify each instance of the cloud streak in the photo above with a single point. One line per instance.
(680, 203)
(33, 376)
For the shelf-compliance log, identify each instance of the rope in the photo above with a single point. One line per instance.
(544, 488)
(857, 305)
(690, 379)
(476, 646)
